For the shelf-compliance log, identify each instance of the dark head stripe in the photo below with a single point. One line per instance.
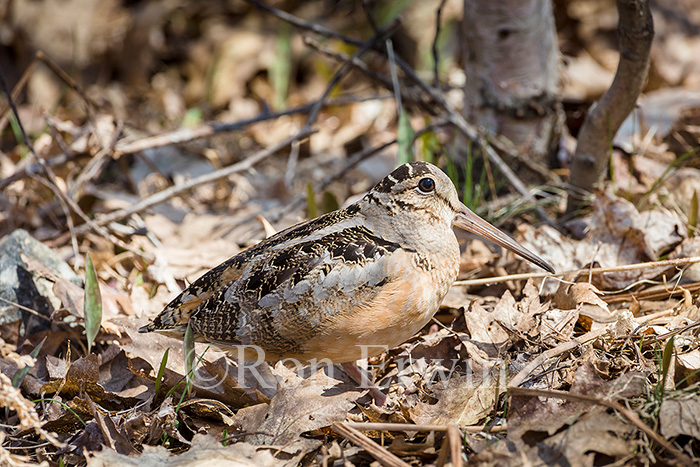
(401, 173)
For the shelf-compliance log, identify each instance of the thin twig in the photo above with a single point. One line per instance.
(292, 161)
(436, 54)
(371, 426)
(168, 193)
(313, 27)
(653, 293)
(498, 142)
(366, 7)
(183, 135)
(66, 212)
(353, 160)
(345, 67)
(68, 79)
(475, 135)
(16, 91)
(307, 25)
(592, 271)
(96, 164)
(27, 309)
(558, 350)
(51, 178)
(35, 168)
(394, 76)
(380, 453)
(455, 439)
(298, 200)
(465, 128)
(666, 335)
(343, 57)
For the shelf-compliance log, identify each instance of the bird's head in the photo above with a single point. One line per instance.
(418, 195)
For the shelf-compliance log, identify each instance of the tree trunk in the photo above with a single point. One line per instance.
(512, 66)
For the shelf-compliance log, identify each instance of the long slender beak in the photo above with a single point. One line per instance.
(470, 222)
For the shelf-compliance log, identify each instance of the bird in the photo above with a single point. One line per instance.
(344, 286)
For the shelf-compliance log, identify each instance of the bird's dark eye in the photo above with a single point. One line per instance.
(426, 185)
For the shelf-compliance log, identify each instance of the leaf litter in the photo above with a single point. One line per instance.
(583, 342)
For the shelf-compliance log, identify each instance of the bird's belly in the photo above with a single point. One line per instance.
(401, 309)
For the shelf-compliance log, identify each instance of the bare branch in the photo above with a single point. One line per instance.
(65, 200)
(347, 66)
(181, 135)
(168, 193)
(635, 33)
(436, 55)
(455, 118)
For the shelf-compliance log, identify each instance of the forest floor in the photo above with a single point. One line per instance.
(167, 137)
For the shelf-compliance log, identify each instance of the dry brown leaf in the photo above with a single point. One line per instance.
(688, 248)
(569, 296)
(596, 432)
(248, 419)
(557, 325)
(205, 451)
(193, 245)
(521, 317)
(618, 235)
(476, 255)
(466, 399)
(251, 392)
(7, 352)
(113, 432)
(485, 331)
(584, 297)
(508, 315)
(432, 356)
(83, 376)
(218, 385)
(625, 324)
(688, 366)
(680, 417)
(532, 414)
(316, 402)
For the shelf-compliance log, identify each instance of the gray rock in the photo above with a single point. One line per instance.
(20, 286)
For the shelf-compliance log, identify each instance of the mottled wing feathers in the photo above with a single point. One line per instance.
(293, 294)
(277, 271)
(175, 316)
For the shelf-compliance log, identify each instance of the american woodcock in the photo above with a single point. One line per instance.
(343, 286)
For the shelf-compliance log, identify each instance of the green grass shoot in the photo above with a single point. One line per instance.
(22, 372)
(693, 215)
(63, 404)
(429, 146)
(281, 67)
(311, 206)
(188, 345)
(329, 202)
(92, 305)
(665, 365)
(657, 183)
(159, 376)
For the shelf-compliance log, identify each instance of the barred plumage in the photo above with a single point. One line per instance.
(373, 273)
